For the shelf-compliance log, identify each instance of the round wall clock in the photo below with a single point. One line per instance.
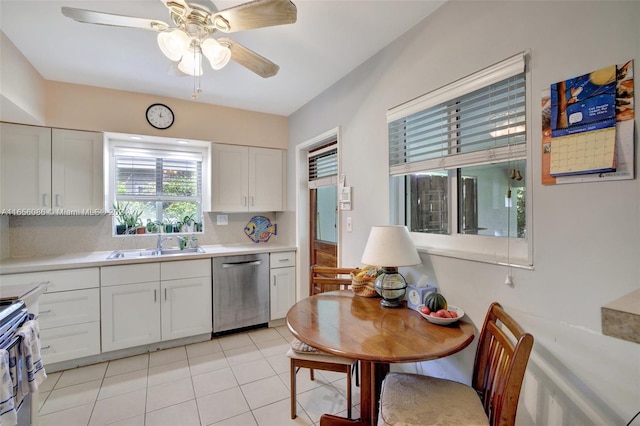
(160, 116)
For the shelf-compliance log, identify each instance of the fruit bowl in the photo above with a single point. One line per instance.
(443, 321)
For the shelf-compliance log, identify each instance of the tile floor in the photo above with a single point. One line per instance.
(241, 379)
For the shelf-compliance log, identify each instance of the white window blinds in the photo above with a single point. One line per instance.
(479, 119)
(323, 166)
(143, 174)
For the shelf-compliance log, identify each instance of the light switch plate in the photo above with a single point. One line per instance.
(222, 219)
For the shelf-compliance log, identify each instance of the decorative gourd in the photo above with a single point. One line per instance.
(435, 302)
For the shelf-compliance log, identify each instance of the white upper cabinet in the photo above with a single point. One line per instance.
(43, 168)
(247, 179)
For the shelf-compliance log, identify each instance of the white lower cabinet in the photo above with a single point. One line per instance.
(282, 294)
(153, 302)
(69, 312)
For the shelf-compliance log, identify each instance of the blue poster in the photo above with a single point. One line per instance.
(585, 103)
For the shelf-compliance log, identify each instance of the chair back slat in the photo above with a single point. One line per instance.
(501, 360)
(324, 278)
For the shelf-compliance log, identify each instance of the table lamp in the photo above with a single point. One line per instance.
(390, 247)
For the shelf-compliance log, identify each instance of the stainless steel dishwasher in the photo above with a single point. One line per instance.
(240, 292)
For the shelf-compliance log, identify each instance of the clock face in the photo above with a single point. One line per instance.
(160, 116)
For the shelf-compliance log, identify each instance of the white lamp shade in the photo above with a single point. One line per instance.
(191, 62)
(173, 43)
(217, 54)
(390, 246)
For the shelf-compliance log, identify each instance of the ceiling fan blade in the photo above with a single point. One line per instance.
(250, 59)
(255, 14)
(100, 18)
(179, 7)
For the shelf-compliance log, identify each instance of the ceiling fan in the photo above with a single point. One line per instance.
(190, 37)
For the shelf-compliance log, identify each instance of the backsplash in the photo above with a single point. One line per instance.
(31, 236)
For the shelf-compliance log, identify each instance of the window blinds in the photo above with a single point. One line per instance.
(476, 120)
(323, 166)
(157, 175)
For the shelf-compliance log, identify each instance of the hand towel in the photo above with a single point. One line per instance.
(8, 415)
(30, 348)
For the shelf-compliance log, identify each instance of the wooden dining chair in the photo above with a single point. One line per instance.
(301, 355)
(492, 399)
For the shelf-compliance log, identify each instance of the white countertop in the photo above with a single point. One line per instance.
(99, 258)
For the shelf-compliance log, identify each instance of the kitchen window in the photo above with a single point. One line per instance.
(458, 160)
(161, 183)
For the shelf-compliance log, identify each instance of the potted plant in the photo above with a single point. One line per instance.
(152, 227)
(121, 216)
(187, 223)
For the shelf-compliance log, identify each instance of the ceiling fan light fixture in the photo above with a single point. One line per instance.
(173, 44)
(217, 54)
(191, 62)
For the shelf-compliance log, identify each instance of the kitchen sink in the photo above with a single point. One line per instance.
(137, 253)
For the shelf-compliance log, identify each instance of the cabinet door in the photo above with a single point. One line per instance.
(229, 178)
(186, 307)
(77, 170)
(25, 167)
(283, 291)
(266, 179)
(130, 315)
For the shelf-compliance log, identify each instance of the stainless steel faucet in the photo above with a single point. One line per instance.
(161, 241)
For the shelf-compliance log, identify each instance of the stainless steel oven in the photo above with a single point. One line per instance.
(240, 292)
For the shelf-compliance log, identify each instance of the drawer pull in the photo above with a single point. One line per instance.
(284, 260)
(44, 348)
(48, 311)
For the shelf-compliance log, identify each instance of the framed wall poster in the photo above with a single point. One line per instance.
(624, 141)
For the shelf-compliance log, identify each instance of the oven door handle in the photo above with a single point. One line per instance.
(241, 264)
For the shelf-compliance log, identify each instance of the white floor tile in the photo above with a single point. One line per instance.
(265, 391)
(168, 372)
(245, 419)
(318, 401)
(214, 381)
(131, 421)
(274, 346)
(50, 381)
(76, 416)
(203, 348)
(234, 341)
(221, 406)
(279, 414)
(243, 354)
(208, 362)
(127, 365)
(284, 332)
(71, 396)
(252, 371)
(263, 335)
(169, 393)
(111, 410)
(280, 363)
(81, 375)
(184, 414)
(123, 383)
(166, 356)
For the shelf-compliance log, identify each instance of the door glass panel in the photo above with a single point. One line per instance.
(327, 213)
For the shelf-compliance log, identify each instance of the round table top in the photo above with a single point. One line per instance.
(356, 327)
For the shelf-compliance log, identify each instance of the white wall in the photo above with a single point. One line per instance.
(586, 236)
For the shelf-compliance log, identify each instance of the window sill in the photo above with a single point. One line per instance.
(476, 257)
(621, 317)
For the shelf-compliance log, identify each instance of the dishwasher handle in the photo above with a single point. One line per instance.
(241, 264)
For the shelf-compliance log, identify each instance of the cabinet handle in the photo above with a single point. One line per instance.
(155, 295)
(165, 294)
(284, 260)
(244, 201)
(58, 198)
(48, 311)
(275, 278)
(252, 201)
(44, 348)
(45, 203)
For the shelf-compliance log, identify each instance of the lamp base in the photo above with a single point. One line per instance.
(391, 286)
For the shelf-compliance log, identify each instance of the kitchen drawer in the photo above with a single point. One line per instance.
(129, 274)
(70, 279)
(70, 342)
(185, 269)
(69, 307)
(283, 259)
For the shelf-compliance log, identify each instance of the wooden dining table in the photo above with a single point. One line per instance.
(355, 327)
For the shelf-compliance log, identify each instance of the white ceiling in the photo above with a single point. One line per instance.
(329, 39)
